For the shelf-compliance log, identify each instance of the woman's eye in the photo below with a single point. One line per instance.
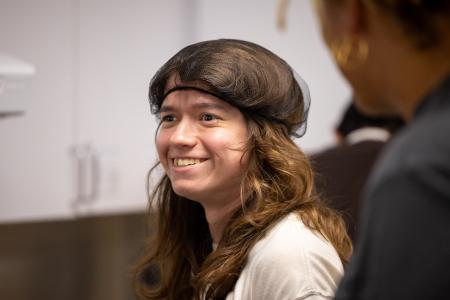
(167, 118)
(208, 117)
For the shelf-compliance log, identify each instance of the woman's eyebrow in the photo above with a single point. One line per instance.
(166, 108)
(219, 106)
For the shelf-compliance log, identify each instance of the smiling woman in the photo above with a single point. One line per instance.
(200, 144)
(237, 215)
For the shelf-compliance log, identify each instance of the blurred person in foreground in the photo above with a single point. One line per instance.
(237, 216)
(396, 56)
(341, 171)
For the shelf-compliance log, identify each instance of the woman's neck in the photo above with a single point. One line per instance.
(218, 216)
(418, 81)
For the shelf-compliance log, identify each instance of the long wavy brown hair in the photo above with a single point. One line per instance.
(278, 176)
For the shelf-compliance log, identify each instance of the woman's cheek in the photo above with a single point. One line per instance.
(162, 148)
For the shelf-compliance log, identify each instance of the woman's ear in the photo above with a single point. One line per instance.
(357, 17)
(341, 19)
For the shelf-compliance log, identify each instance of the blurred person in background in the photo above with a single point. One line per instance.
(341, 171)
(396, 56)
(237, 214)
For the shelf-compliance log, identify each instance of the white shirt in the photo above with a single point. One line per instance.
(291, 262)
(363, 134)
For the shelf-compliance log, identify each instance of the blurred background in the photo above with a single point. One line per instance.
(77, 134)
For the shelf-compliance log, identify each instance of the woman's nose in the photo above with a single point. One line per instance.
(184, 135)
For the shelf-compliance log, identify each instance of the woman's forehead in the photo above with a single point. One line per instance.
(193, 99)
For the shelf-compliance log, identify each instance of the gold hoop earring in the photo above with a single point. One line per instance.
(350, 52)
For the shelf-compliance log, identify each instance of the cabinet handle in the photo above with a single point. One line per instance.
(94, 163)
(87, 177)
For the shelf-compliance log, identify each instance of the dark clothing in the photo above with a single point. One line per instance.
(403, 249)
(340, 175)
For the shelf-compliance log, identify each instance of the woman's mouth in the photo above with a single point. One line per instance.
(183, 162)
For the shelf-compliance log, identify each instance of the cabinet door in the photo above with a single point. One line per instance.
(35, 170)
(85, 143)
(121, 44)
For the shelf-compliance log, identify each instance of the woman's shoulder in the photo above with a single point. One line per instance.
(292, 260)
(291, 236)
(291, 239)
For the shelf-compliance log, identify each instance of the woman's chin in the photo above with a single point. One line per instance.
(187, 192)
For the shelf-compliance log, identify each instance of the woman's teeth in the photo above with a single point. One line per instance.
(181, 162)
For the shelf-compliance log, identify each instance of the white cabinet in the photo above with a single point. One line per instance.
(121, 44)
(87, 136)
(35, 173)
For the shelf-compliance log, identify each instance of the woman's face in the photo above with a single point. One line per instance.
(344, 19)
(200, 145)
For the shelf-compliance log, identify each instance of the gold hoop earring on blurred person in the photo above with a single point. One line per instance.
(350, 52)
